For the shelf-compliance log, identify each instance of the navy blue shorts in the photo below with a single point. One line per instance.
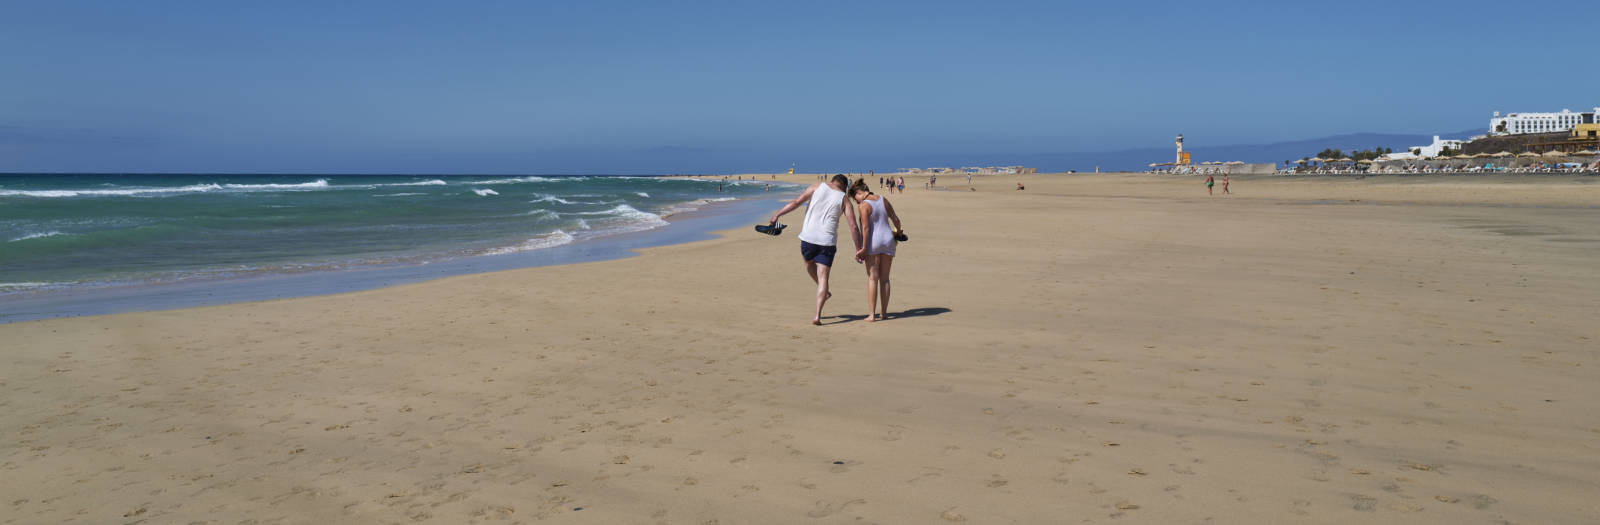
(817, 253)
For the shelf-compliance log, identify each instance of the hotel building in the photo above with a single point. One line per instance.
(1521, 123)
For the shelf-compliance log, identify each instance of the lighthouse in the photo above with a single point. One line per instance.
(1180, 160)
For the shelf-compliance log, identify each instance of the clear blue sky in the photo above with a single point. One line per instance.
(656, 87)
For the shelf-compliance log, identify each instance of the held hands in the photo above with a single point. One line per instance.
(861, 254)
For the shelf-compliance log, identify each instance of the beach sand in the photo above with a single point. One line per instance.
(1098, 348)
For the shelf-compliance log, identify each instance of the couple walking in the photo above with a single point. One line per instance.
(825, 204)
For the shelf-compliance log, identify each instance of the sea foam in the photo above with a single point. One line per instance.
(550, 198)
(37, 235)
(192, 188)
(514, 180)
(549, 240)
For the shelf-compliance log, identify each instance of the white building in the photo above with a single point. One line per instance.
(1432, 150)
(1520, 123)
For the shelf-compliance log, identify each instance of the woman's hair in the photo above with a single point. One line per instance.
(858, 185)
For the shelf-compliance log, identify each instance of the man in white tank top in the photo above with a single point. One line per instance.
(825, 203)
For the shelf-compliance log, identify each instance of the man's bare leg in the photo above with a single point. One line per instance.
(811, 269)
(822, 291)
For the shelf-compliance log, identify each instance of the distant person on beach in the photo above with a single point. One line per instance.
(819, 234)
(876, 213)
(902, 184)
(1209, 181)
(1225, 185)
(1020, 187)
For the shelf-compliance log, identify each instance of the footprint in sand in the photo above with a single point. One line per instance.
(1364, 503)
(1481, 502)
(824, 509)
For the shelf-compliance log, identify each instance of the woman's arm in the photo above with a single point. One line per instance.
(892, 217)
(866, 229)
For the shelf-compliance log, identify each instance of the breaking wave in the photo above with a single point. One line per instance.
(549, 240)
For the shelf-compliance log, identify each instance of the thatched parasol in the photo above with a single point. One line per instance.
(1526, 154)
(1502, 154)
(1482, 156)
(1588, 153)
(1301, 161)
(1234, 163)
(1364, 161)
(1460, 157)
(1555, 153)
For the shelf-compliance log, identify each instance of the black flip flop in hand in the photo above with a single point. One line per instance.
(771, 229)
(901, 236)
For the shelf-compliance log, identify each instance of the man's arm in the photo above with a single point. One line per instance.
(850, 214)
(796, 203)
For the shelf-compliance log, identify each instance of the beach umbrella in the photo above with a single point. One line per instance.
(1301, 161)
(1527, 154)
(1346, 159)
(1587, 152)
(1458, 157)
(1154, 164)
(1502, 154)
(1364, 161)
(1482, 156)
(1555, 153)
(1236, 163)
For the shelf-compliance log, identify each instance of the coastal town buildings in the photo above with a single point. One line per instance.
(974, 170)
(1520, 123)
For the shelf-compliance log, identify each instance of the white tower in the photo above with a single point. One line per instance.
(1179, 160)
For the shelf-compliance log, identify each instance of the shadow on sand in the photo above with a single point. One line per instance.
(914, 312)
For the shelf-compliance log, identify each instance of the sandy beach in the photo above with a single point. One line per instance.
(1097, 348)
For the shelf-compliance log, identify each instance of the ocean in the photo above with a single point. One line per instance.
(71, 232)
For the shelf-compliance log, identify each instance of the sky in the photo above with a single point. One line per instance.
(725, 87)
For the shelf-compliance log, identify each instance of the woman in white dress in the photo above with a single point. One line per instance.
(875, 214)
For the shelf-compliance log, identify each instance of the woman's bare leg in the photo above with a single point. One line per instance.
(872, 286)
(885, 262)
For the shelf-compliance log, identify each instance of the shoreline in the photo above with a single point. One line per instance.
(687, 226)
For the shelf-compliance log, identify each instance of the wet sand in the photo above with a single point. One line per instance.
(1098, 348)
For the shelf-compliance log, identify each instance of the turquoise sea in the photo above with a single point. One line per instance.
(76, 231)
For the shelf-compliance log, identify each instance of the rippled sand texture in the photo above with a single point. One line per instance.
(1116, 348)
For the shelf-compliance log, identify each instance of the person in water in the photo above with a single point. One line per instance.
(876, 214)
(825, 203)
